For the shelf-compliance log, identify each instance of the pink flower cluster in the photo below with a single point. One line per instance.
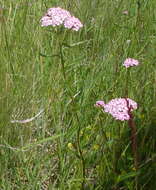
(57, 16)
(129, 62)
(119, 108)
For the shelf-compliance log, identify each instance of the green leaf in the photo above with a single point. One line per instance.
(126, 176)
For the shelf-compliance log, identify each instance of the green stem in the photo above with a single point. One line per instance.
(81, 158)
(127, 82)
(79, 129)
(62, 61)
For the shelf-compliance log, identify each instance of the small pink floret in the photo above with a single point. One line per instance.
(125, 12)
(129, 62)
(100, 103)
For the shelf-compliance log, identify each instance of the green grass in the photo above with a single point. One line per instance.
(37, 155)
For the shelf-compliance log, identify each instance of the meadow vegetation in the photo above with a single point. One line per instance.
(71, 144)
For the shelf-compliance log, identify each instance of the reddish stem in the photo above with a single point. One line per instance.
(133, 138)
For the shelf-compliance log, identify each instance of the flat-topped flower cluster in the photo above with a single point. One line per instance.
(119, 108)
(129, 62)
(57, 16)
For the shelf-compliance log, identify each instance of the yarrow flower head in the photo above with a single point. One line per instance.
(129, 62)
(57, 16)
(54, 17)
(119, 108)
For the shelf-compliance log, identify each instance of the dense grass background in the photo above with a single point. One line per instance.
(73, 145)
